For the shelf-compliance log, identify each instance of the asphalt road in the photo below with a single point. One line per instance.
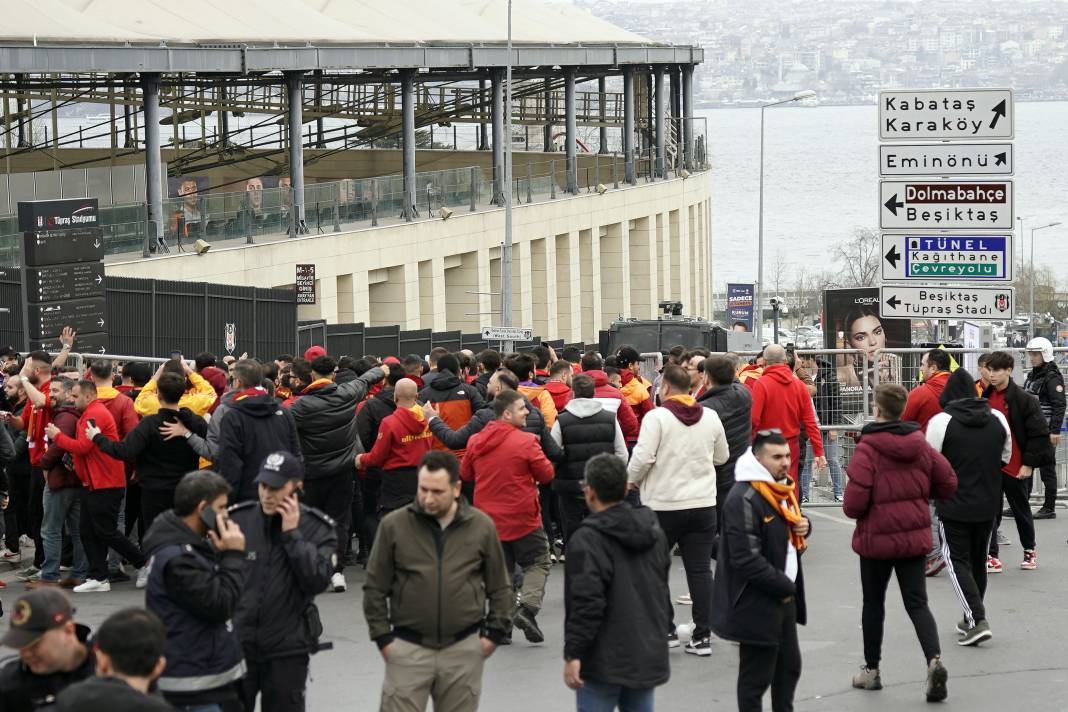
(1023, 667)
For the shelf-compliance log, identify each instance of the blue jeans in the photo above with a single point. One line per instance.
(833, 452)
(62, 506)
(603, 697)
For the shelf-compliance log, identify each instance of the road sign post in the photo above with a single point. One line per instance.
(507, 333)
(946, 159)
(974, 303)
(946, 114)
(946, 205)
(947, 258)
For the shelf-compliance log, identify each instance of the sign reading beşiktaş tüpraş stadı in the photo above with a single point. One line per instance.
(922, 114)
(946, 205)
(983, 303)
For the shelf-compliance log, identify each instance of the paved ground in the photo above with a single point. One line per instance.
(1022, 667)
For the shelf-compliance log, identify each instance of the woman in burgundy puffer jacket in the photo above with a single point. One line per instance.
(892, 475)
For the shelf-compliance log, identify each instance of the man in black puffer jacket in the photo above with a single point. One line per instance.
(584, 428)
(732, 403)
(370, 416)
(292, 549)
(325, 414)
(616, 599)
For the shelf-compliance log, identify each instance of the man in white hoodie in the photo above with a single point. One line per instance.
(674, 466)
(758, 597)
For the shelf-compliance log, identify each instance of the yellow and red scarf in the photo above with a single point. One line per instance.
(783, 497)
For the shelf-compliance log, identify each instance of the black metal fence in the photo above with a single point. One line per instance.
(149, 317)
(359, 339)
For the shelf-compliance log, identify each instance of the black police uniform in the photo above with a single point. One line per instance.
(276, 612)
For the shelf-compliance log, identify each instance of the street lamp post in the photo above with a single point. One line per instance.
(759, 305)
(1031, 307)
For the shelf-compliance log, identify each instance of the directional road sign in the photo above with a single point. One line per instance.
(63, 246)
(923, 114)
(48, 320)
(91, 343)
(507, 333)
(947, 258)
(945, 159)
(950, 205)
(61, 282)
(974, 303)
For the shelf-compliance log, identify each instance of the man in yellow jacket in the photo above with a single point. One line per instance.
(199, 395)
(522, 365)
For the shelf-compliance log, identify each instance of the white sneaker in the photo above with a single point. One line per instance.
(10, 557)
(142, 577)
(25, 541)
(93, 586)
(337, 583)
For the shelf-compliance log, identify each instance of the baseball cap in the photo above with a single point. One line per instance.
(391, 360)
(35, 613)
(280, 467)
(314, 352)
(8, 351)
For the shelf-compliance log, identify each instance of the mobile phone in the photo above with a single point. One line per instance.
(211, 518)
(92, 422)
(176, 355)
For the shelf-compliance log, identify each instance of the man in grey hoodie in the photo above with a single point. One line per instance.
(586, 427)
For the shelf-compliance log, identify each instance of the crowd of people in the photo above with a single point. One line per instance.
(233, 492)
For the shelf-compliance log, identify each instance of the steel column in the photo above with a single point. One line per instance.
(658, 120)
(483, 131)
(572, 130)
(628, 125)
(601, 95)
(408, 141)
(153, 161)
(687, 116)
(498, 137)
(294, 127)
(547, 130)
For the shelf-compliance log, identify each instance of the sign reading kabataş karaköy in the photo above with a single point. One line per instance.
(946, 205)
(947, 258)
(982, 303)
(921, 114)
(65, 214)
(946, 159)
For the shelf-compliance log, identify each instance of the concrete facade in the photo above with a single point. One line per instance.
(579, 262)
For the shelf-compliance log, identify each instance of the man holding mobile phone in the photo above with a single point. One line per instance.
(194, 585)
(293, 551)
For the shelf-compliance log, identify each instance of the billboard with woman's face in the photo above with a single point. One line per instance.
(851, 321)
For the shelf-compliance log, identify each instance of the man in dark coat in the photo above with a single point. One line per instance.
(254, 427)
(732, 402)
(293, 549)
(616, 598)
(1046, 383)
(758, 597)
(325, 415)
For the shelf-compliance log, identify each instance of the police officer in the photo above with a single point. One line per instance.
(53, 653)
(1045, 382)
(292, 552)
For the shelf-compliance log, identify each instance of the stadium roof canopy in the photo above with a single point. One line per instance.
(237, 36)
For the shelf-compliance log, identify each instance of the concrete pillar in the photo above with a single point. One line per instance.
(498, 138)
(526, 285)
(296, 146)
(486, 303)
(412, 317)
(568, 287)
(687, 116)
(547, 130)
(572, 130)
(408, 141)
(642, 268)
(483, 130)
(153, 162)
(602, 97)
(660, 113)
(614, 251)
(552, 325)
(628, 125)
(361, 297)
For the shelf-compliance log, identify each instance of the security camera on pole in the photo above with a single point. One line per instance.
(946, 204)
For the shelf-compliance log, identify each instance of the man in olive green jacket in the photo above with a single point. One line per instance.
(433, 566)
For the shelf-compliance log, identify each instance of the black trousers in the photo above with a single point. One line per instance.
(774, 666)
(280, 683)
(154, 502)
(369, 486)
(333, 496)
(964, 547)
(694, 530)
(911, 579)
(572, 508)
(1048, 472)
(37, 488)
(1015, 491)
(100, 532)
(550, 515)
(133, 511)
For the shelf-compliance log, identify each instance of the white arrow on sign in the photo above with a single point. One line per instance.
(100, 322)
(99, 279)
(948, 205)
(922, 114)
(507, 333)
(947, 258)
(945, 159)
(974, 303)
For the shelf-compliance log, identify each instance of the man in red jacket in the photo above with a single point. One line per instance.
(558, 384)
(781, 402)
(923, 402)
(403, 439)
(104, 480)
(611, 398)
(507, 464)
(892, 475)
